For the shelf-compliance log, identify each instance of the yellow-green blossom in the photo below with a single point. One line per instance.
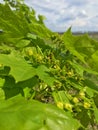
(60, 105)
(75, 100)
(86, 105)
(81, 94)
(68, 106)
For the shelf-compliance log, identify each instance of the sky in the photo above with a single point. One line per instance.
(81, 15)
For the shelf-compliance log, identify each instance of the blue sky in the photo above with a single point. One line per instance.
(82, 15)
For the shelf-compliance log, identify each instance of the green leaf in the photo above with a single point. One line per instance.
(2, 82)
(20, 69)
(11, 89)
(61, 96)
(31, 36)
(22, 43)
(70, 43)
(91, 84)
(43, 73)
(2, 94)
(17, 24)
(94, 61)
(80, 69)
(13, 25)
(90, 92)
(96, 114)
(18, 113)
(84, 118)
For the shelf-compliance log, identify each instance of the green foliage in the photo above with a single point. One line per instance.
(19, 23)
(42, 66)
(18, 113)
(83, 47)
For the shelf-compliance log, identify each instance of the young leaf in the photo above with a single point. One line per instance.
(18, 113)
(43, 73)
(20, 69)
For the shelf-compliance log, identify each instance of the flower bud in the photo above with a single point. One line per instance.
(75, 100)
(68, 106)
(86, 105)
(82, 94)
(60, 105)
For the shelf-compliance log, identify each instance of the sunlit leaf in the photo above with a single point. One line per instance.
(20, 70)
(33, 115)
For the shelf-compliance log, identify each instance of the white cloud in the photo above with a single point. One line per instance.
(61, 14)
